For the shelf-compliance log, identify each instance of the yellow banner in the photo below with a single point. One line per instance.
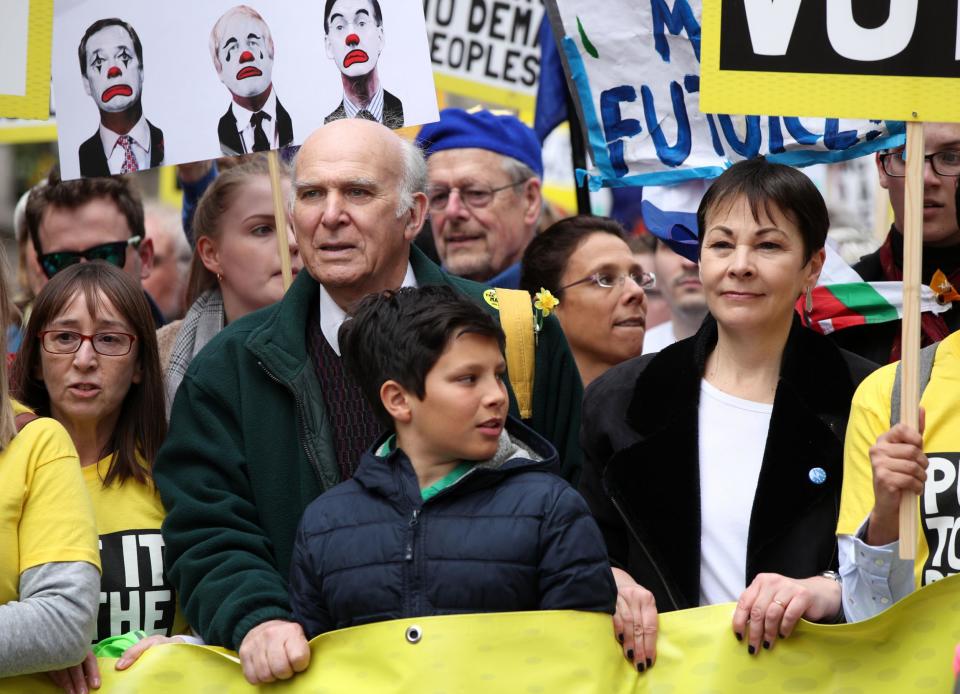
(909, 648)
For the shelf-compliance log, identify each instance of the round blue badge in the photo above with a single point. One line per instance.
(818, 475)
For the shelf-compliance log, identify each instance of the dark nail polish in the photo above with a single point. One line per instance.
(739, 636)
(630, 654)
(766, 645)
(751, 650)
(649, 662)
(781, 636)
(640, 667)
(620, 637)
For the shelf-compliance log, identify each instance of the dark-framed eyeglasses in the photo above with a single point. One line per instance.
(110, 344)
(114, 253)
(474, 196)
(609, 280)
(945, 163)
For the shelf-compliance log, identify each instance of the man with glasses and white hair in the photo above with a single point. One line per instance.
(266, 417)
(880, 342)
(484, 193)
(91, 219)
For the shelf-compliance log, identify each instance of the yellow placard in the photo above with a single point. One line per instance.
(908, 648)
(884, 97)
(35, 102)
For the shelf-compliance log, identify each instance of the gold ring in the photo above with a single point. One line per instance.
(782, 604)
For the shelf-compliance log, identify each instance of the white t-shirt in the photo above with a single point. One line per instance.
(732, 438)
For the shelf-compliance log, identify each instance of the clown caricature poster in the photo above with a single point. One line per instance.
(141, 85)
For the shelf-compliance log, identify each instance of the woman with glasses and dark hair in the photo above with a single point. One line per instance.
(585, 263)
(89, 360)
(49, 564)
(714, 467)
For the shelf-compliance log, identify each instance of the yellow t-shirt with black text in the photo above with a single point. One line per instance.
(938, 542)
(45, 516)
(134, 591)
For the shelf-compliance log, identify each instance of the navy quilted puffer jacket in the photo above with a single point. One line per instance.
(504, 537)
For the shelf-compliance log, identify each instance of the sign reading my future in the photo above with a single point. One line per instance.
(897, 59)
(635, 70)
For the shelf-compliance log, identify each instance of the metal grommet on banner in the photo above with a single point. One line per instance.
(414, 634)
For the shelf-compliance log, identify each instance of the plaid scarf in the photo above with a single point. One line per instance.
(204, 320)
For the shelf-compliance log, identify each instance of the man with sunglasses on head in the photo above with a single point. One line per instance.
(484, 173)
(91, 219)
(880, 342)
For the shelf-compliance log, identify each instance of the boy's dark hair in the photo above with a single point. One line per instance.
(400, 335)
(765, 185)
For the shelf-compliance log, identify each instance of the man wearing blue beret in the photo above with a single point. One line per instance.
(484, 192)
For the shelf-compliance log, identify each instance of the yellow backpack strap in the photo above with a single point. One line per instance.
(516, 319)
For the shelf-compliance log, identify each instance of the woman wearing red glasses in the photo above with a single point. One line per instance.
(89, 360)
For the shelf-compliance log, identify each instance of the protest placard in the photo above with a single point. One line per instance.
(25, 34)
(895, 60)
(635, 72)
(486, 49)
(184, 81)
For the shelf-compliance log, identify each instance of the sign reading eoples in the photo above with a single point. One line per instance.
(485, 49)
(894, 60)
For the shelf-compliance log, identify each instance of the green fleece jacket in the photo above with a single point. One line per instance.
(250, 446)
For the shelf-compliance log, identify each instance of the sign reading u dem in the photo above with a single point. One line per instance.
(894, 60)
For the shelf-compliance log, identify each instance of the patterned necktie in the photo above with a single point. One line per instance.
(260, 143)
(129, 159)
(366, 115)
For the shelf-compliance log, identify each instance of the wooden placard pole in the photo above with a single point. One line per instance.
(280, 218)
(910, 335)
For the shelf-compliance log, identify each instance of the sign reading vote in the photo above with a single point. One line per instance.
(898, 59)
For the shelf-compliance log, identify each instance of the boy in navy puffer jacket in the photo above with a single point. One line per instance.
(457, 509)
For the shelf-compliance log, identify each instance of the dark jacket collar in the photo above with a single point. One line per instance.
(394, 478)
(810, 363)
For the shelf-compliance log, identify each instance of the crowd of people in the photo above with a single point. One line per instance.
(382, 440)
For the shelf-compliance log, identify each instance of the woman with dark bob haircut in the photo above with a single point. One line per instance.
(714, 467)
(89, 360)
(585, 262)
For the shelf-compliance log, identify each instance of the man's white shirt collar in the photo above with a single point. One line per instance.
(140, 134)
(332, 316)
(375, 108)
(245, 127)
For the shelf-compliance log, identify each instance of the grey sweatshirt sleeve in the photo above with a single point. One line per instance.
(52, 624)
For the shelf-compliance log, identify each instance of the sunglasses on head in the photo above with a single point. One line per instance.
(114, 253)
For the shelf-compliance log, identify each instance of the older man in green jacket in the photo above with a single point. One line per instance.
(265, 419)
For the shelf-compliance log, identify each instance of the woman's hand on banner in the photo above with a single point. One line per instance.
(635, 622)
(78, 679)
(772, 605)
(130, 655)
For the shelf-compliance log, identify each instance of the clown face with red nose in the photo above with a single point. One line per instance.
(242, 50)
(354, 40)
(111, 65)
